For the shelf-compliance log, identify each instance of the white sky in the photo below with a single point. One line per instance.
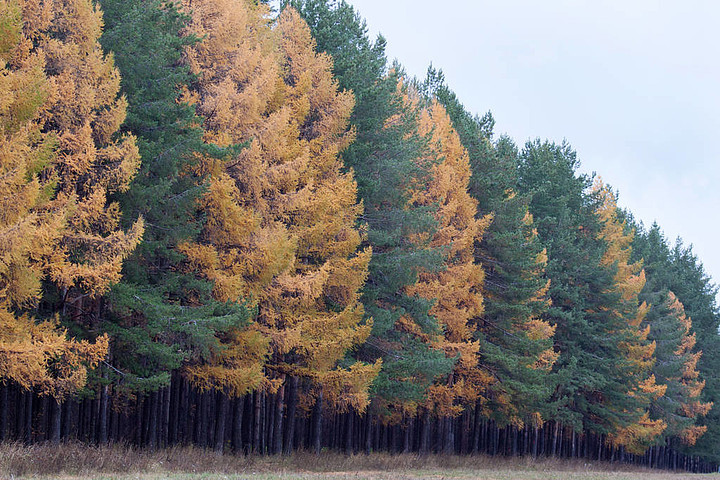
(633, 85)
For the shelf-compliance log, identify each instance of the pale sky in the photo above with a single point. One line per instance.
(633, 85)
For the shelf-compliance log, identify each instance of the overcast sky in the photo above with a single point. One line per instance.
(634, 86)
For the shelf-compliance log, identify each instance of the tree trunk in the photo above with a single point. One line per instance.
(279, 406)
(27, 433)
(290, 416)
(55, 421)
(3, 411)
(103, 431)
(220, 422)
(317, 423)
(256, 430)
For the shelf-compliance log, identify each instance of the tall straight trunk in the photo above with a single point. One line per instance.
(407, 429)
(317, 423)
(222, 411)
(555, 439)
(269, 429)
(425, 434)
(4, 405)
(368, 432)
(152, 421)
(27, 424)
(238, 424)
(449, 437)
(279, 407)
(349, 423)
(256, 419)
(103, 431)
(476, 428)
(55, 425)
(174, 413)
(290, 416)
(165, 426)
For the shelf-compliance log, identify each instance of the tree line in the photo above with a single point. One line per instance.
(247, 230)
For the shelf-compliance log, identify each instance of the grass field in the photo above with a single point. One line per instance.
(79, 462)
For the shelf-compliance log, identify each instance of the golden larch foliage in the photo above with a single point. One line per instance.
(628, 282)
(281, 213)
(39, 211)
(456, 289)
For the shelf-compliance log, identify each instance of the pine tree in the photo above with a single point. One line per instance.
(457, 289)
(637, 352)
(678, 357)
(157, 309)
(385, 158)
(593, 375)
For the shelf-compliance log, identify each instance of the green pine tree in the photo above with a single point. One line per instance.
(161, 316)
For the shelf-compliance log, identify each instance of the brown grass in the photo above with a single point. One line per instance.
(69, 461)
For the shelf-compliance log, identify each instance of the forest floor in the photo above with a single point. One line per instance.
(80, 462)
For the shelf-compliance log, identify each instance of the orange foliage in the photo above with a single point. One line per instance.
(456, 289)
(281, 213)
(51, 223)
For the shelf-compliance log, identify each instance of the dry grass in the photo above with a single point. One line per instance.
(78, 461)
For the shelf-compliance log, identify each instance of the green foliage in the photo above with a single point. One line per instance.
(161, 317)
(386, 160)
(593, 377)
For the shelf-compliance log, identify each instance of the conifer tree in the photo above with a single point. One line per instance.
(386, 160)
(679, 359)
(515, 341)
(637, 351)
(157, 309)
(676, 367)
(281, 213)
(457, 288)
(42, 216)
(594, 377)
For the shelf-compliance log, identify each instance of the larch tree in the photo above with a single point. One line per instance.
(593, 374)
(281, 212)
(678, 358)
(90, 164)
(167, 314)
(58, 112)
(680, 406)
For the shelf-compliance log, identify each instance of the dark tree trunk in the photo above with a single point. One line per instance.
(256, 419)
(4, 406)
(27, 424)
(238, 424)
(290, 416)
(279, 407)
(317, 424)
(103, 431)
(55, 421)
(222, 410)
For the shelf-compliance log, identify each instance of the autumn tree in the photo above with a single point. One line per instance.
(60, 111)
(515, 340)
(281, 213)
(158, 309)
(457, 289)
(678, 357)
(386, 157)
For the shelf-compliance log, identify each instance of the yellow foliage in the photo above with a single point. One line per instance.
(281, 215)
(457, 290)
(639, 435)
